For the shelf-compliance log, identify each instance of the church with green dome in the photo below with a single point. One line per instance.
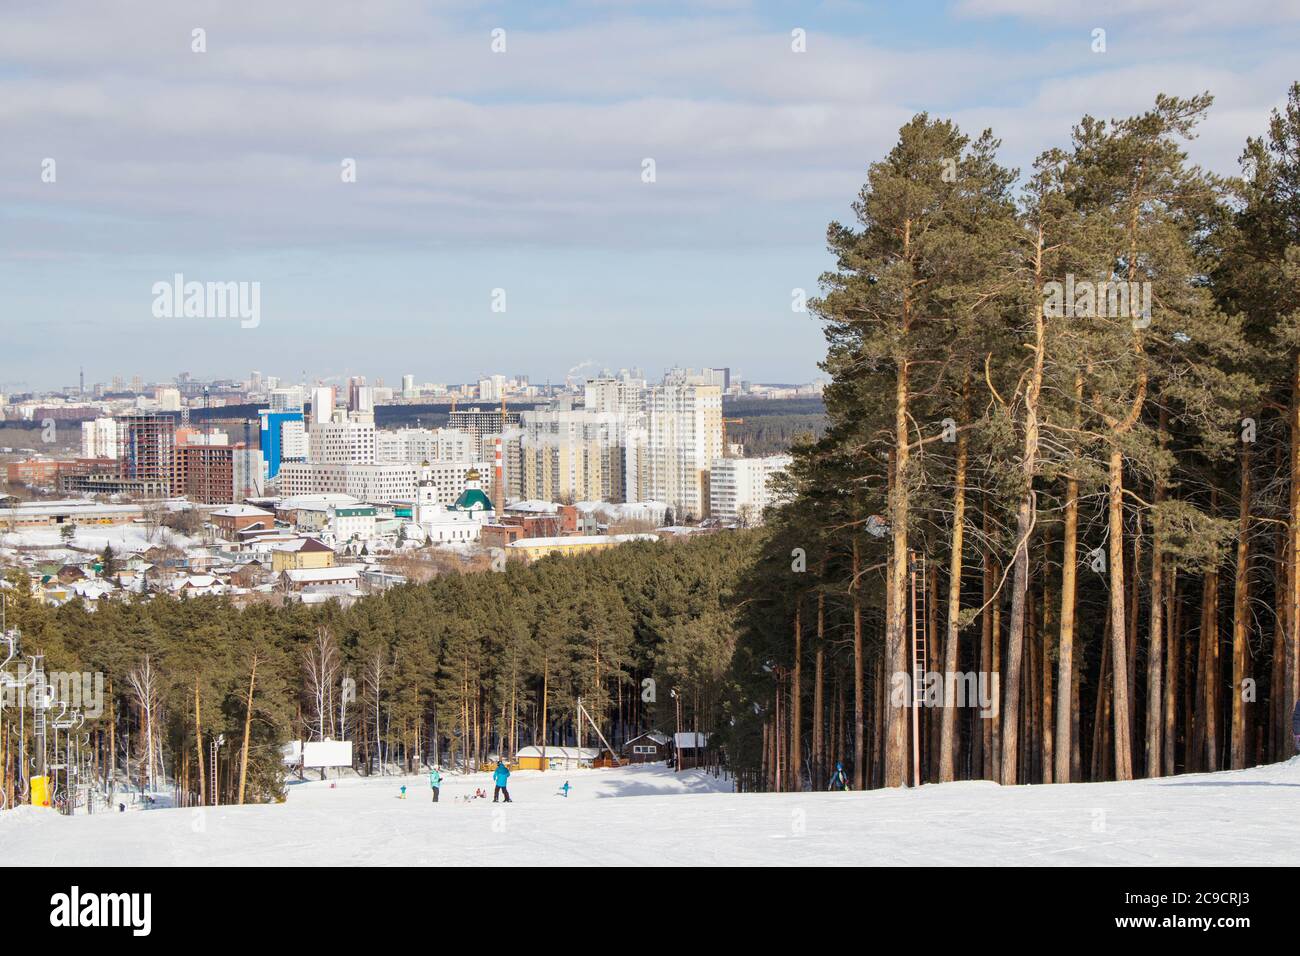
(473, 499)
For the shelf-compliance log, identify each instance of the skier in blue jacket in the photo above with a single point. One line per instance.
(839, 780)
(435, 782)
(499, 777)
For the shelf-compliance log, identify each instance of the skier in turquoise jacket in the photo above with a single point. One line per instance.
(435, 782)
(839, 780)
(499, 777)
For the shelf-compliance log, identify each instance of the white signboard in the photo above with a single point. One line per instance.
(327, 753)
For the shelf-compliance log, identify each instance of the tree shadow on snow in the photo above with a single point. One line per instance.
(1236, 783)
(638, 788)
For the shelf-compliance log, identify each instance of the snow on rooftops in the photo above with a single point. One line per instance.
(534, 506)
(242, 511)
(570, 753)
(345, 572)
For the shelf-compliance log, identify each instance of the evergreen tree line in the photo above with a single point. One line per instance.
(1063, 461)
(452, 671)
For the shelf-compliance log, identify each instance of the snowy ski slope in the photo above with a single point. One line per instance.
(649, 816)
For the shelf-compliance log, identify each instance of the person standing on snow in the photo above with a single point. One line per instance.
(1295, 725)
(499, 777)
(839, 781)
(435, 782)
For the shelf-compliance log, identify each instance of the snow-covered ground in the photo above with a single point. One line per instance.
(123, 537)
(648, 815)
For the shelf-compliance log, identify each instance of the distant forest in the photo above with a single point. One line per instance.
(771, 426)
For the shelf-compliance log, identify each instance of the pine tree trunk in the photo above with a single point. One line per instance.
(1240, 608)
(988, 725)
(248, 726)
(859, 713)
(895, 635)
(819, 678)
(1119, 646)
(796, 693)
(1024, 526)
(1292, 664)
(198, 746)
(1065, 653)
(1173, 660)
(1047, 741)
(948, 732)
(1155, 653)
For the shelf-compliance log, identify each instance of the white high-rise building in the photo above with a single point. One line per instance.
(685, 438)
(623, 393)
(293, 440)
(342, 442)
(570, 455)
(740, 488)
(416, 445)
(169, 399)
(365, 482)
(322, 404)
(99, 438)
(287, 399)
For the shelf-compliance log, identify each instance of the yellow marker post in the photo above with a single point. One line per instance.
(40, 791)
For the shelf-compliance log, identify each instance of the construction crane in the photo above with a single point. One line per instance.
(726, 448)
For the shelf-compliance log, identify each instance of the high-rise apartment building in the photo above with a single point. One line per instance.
(282, 439)
(99, 438)
(571, 455)
(146, 445)
(684, 424)
(740, 488)
(342, 442)
(477, 422)
(415, 445)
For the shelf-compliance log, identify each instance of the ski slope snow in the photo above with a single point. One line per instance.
(647, 815)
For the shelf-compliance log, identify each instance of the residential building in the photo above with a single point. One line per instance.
(99, 438)
(477, 423)
(685, 438)
(146, 445)
(740, 488)
(342, 442)
(281, 438)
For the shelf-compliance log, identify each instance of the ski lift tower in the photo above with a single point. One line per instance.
(9, 647)
(582, 712)
(67, 721)
(39, 784)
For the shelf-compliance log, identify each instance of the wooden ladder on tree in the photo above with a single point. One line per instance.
(920, 599)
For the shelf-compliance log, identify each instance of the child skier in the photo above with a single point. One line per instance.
(500, 776)
(839, 781)
(564, 790)
(435, 782)
(402, 795)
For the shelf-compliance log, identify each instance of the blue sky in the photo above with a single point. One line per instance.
(520, 170)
